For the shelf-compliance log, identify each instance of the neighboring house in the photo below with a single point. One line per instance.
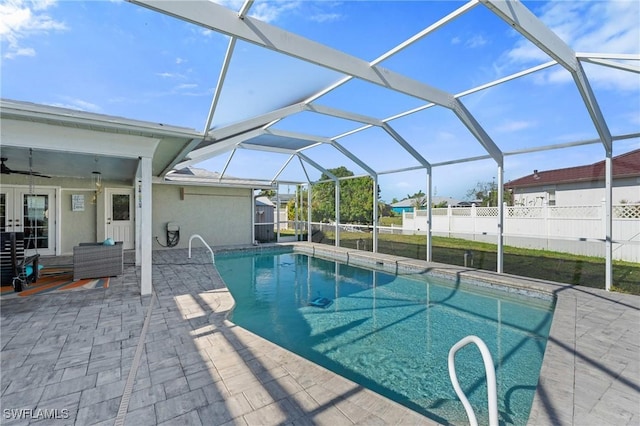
(581, 185)
(408, 204)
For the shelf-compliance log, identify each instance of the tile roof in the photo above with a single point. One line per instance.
(624, 165)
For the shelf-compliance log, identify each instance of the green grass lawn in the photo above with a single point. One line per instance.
(546, 265)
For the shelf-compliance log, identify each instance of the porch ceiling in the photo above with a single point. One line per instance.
(109, 147)
(68, 164)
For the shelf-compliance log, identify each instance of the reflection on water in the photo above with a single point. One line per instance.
(392, 333)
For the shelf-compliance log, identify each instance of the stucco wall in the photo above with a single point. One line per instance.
(222, 216)
(580, 194)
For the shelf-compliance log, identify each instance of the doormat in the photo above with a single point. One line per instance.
(50, 282)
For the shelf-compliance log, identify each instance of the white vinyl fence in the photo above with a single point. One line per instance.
(576, 229)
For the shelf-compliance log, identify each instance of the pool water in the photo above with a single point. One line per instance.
(392, 333)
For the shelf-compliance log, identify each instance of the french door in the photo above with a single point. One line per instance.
(32, 213)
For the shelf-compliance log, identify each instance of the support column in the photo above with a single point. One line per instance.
(608, 197)
(277, 218)
(375, 214)
(309, 236)
(253, 215)
(145, 206)
(500, 267)
(337, 203)
(429, 250)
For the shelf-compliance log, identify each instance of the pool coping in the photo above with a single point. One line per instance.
(569, 359)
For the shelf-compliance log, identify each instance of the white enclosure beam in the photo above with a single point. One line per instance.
(353, 158)
(221, 147)
(526, 23)
(333, 112)
(406, 145)
(218, 18)
(375, 214)
(254, 122)
(317, 166)
(221, 78)
(470, 122)
(430, 29)
(284, 166)
(184, 152)
(613, 64)
(226, 164)
(244, 10)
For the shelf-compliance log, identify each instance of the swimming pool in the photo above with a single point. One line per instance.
(392, 333)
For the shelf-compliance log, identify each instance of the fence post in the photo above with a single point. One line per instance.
(474, 215)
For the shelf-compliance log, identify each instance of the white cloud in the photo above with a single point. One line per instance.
(77, 104)
(186, 86)
(325, 17)
(601, 27)
(515, 126)
(476, 41)
(22, 19)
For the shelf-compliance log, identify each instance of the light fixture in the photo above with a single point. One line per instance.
(96, 178)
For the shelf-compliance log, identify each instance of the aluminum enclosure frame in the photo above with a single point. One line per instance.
(240, 26)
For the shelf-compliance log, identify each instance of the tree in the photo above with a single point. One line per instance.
(418, 194)
(356, 199)
(487, 194)
(269, 193)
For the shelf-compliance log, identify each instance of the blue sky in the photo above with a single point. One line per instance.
(116, 58)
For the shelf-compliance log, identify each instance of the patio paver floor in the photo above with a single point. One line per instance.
(72, 354)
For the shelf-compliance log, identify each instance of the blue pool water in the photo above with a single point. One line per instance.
(392, 333)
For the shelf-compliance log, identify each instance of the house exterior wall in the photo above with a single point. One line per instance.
(196, 214)
(221, 216)
(578, 193)
(74, 226)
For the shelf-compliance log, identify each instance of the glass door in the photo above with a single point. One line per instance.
(31, 213)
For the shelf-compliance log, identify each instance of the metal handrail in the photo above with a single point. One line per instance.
(203, 242)
(492, 397)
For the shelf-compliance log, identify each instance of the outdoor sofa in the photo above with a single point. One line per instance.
(97, 260)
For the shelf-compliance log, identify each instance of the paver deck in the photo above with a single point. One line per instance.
(115, 357)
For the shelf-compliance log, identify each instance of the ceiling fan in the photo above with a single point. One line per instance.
(5, 170)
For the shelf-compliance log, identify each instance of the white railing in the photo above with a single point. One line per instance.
(213, 259)
(492, 395)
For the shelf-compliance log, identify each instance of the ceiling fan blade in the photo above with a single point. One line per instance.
(8, 171)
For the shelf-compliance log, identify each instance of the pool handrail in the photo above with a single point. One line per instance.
(492, 397)
(203, 242)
